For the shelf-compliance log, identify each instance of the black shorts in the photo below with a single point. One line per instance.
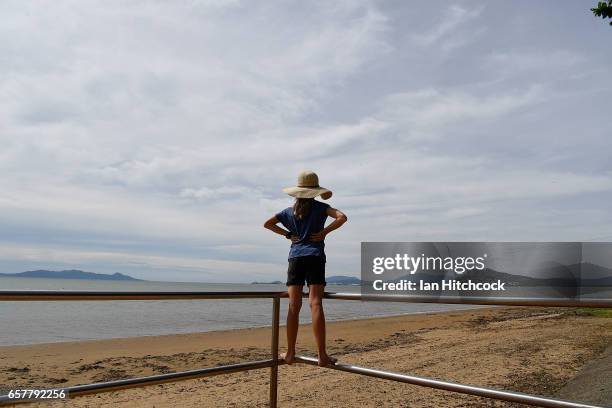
(309, 268)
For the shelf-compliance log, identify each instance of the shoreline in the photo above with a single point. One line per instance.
(533, 350)
(328, 321)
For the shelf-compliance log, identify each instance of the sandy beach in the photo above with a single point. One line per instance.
(532, 350)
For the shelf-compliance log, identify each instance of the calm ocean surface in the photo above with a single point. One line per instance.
(44, 322)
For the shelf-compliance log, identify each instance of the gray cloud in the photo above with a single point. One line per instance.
(154, 138)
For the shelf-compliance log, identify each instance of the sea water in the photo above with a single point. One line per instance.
(44, 321)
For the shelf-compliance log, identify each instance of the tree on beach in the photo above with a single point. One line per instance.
(603, 10)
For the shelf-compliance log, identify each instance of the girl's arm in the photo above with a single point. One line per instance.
(340, 218)
(271, 225)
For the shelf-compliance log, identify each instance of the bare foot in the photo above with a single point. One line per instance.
(326, 360)
(288, 357)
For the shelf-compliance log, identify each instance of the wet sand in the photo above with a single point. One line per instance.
(532, 350)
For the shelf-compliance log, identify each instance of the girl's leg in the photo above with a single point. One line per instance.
(315, 299)
(293, 321)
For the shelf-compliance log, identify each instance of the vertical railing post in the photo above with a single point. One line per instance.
(274, 350)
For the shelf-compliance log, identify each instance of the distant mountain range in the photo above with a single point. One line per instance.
(69, 274)
(267, 283)
(332, 280)
(78, 274)
(343, 280)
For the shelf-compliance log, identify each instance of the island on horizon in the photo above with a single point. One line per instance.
(70, 274)
(332, 280)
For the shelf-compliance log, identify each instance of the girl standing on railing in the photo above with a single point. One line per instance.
(305, 227)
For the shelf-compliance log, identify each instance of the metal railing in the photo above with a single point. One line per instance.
(274, 361)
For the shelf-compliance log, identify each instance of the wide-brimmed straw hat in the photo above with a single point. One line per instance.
(308, 187)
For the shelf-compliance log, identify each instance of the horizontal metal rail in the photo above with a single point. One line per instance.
(50, 295)
(61, 295)
(80, 390)
(477, 300)
(450, 386)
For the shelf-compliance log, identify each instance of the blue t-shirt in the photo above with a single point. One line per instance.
(314, 222)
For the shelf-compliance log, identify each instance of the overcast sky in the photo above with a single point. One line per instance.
(154, 138)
